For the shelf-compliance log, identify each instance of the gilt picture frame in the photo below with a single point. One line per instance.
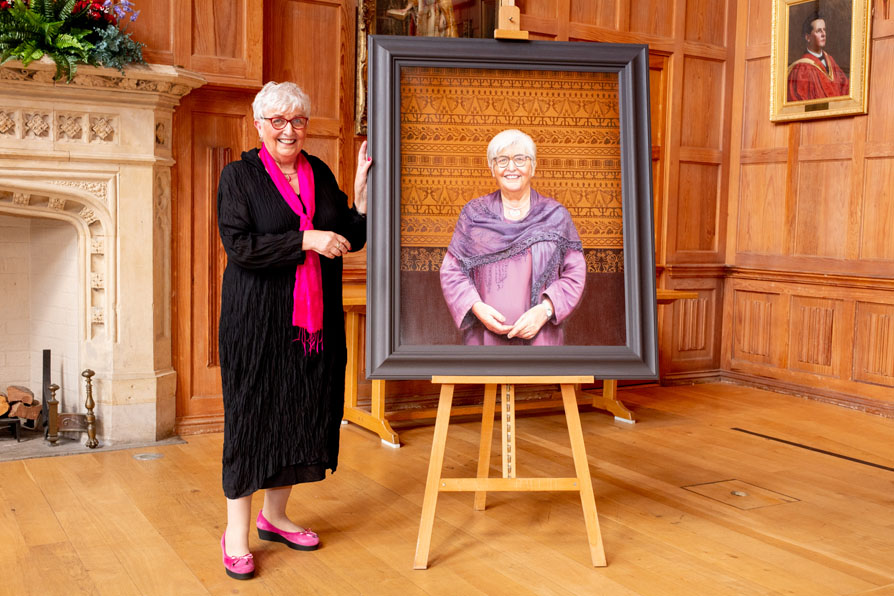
(606, 172)
(819, 59)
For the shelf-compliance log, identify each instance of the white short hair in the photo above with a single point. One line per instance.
(280, 98)
(511, 137)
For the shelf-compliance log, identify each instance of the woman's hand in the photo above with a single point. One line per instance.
(490, 317)
(363, 163)
(529, 324)
(328, 244)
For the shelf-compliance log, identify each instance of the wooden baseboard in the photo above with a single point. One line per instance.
(844, 400)
(199, 425)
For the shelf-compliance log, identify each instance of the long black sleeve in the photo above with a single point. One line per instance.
(246, 245)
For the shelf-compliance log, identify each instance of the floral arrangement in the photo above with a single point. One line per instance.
(70, 32)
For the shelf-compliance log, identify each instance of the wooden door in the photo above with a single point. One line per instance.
(213, 128)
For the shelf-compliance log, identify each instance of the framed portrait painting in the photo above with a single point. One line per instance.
(585, 241)
(820, 58)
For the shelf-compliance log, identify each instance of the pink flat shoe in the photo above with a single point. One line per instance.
(306, 540)
(242, 567)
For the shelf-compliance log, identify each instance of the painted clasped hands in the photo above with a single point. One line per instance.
(526, 327)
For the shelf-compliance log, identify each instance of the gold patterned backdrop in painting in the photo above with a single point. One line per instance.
(448, 116)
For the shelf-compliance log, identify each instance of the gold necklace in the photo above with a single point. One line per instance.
(289, 175)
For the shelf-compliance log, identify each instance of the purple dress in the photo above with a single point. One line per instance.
(512, 266)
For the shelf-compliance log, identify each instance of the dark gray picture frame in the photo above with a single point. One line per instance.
(386, 358)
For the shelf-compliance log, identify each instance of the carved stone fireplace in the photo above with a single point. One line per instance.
(96, 154)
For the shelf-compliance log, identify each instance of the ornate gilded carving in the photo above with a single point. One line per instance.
(20, 198)
(97, 316)
(96, 281)
(57, 203)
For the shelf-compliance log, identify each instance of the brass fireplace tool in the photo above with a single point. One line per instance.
(68, 422)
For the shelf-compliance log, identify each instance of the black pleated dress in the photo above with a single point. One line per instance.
(282, 408)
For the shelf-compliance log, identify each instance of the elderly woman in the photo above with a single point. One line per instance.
(514, 270)
(285, 225)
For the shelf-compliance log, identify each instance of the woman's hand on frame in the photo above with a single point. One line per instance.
(363, 164)
(328, 244)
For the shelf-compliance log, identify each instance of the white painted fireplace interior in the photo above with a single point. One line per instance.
(39, 305)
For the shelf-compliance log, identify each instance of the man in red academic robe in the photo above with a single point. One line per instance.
(816, 74)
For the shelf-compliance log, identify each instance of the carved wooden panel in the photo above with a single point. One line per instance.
(762, 198)
(830, 131)
(814, 327)
(222, 40)
(702, 103)
(538, 8)
(696, 216)
(217, 158)
(878, 210)
(689, 329)
(691, 318)
(601, 13)
(874, 343)
(155, 28)
(706, 21)
(652, 16)
(213, 127)
(758, 132)
(754, 314)
(757, 26)
(880, 128)
(821, 212)
(320, 60)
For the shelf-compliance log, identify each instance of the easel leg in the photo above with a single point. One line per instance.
(487, 437)
(352, 331)
(435, 464)
(582, 468)
(609, 401)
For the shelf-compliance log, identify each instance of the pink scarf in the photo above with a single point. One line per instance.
(307, 312)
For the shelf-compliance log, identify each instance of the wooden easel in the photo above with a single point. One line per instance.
(435, 483)
(508, 18)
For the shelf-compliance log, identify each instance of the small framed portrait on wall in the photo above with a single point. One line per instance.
(820, 58)
(512, 227)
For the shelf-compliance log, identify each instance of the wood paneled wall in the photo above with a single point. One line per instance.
(237, 46)
(780, 229)
(809, 304)
(691, 44)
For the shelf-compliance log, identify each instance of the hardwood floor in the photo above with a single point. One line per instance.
(812, 522)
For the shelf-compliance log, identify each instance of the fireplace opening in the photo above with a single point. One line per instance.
(40, 302)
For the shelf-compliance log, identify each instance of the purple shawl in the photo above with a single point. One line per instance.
(482, 236)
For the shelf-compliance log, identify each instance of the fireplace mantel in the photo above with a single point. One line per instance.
(96, 153)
